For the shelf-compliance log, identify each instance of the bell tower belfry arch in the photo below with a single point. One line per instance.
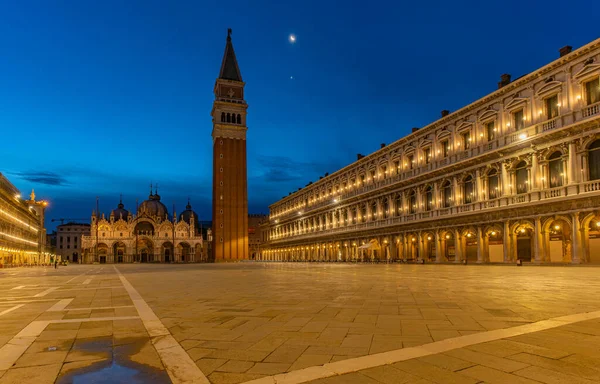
(230, 192)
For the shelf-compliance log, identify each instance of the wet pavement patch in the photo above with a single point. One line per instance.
(109, 372)
(125, 365)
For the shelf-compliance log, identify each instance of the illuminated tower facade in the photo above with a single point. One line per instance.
(230, 192)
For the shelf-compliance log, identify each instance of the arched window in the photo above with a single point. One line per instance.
(446, 194)
(222, 117)
(594, 160)
(493, 184)
(229, 118)
(521, 176)
(428, 198)
(374, 210)
(239, 119)
(555, 170)
(386, 207)
(468, 190)
(398, 202)
(412, 201)
(363, 212)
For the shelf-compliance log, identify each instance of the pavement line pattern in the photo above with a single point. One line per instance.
(73, 278)
(179, 365)
(11, 351)
(385, 358)
(19, 287)
(94, 308)
(47, 291)
(62, 304)
(11, 309)
(87, 281)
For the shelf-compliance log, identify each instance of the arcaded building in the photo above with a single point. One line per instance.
(22, 232)
(152, 235)
(512, 176)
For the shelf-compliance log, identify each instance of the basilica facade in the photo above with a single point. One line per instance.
(512, 177)
(152, 235)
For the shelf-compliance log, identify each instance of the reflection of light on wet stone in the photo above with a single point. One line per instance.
(52, 348)
(114, 373)
(110, 372)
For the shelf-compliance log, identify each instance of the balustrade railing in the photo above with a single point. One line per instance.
(591, 110)
(590, 186)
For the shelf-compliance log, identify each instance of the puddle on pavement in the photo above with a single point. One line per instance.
(109, 372)
(119, 369)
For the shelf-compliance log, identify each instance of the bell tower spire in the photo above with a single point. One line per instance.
(230, 194)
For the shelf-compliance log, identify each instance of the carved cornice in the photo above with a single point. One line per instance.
(229, 132)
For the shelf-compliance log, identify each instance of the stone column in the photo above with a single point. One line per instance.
(572, 169)
(480, 250)
(478, 194)
(438, 248)
(534, 172)
(421, 248)
(576, 236)
(506, 237)
(457, 246)
(537, 241)
(455, 191)
(505, 180)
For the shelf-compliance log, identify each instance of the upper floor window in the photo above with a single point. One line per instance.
(428, 198)
(551, 104)
(411, 161)
(447, 194)
(399, 203)
(466, 140)
(521, 176)
(374, 210)
(493, 183)
(592, 91)
(445, 148)
(594, 160)
(491, 130)
(555, 169)
(518, 120)
(373, 176)
(468, 190)
(396, 167)
(412, 201)
(386, 207)
(427, 155)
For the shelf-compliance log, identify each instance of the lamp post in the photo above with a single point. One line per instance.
(97, 219)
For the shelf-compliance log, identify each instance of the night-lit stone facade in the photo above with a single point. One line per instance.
(22, 232)
(513, 176)
(153, 235)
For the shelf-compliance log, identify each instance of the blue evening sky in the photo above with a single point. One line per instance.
(99, 98)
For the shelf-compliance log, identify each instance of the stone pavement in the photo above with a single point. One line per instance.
(295, 322)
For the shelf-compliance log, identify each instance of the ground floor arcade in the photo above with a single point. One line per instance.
(144, 250)
(564, 238)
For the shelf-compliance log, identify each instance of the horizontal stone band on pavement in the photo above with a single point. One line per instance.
(379, 359)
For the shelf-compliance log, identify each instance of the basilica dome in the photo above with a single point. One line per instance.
(187, 215)
(120, 212)
(153, 207)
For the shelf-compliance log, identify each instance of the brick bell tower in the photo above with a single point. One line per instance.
(230, 192)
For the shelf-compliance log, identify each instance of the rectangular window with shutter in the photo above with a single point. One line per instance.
(551, 107)
(592, 91)
(518, 120)
(491, 130)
